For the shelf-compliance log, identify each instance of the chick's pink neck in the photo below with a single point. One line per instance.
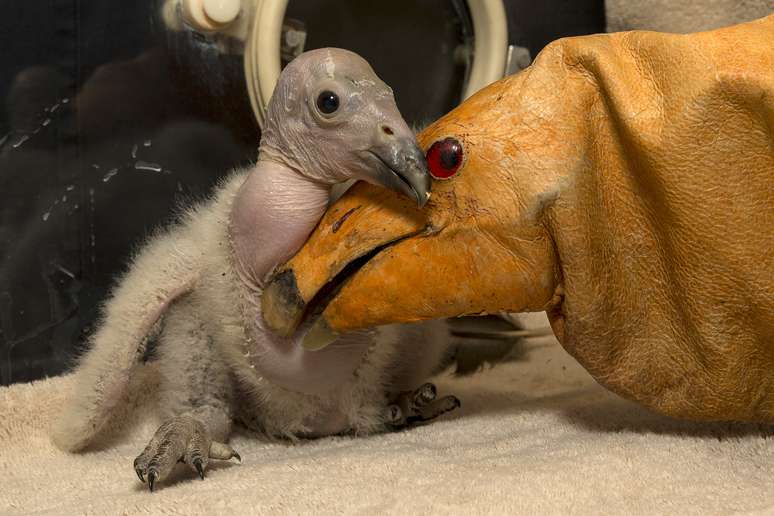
(273, 214)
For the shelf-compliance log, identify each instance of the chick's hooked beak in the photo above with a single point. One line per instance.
(396, 162)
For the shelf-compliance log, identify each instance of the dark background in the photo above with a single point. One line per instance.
(108, 122)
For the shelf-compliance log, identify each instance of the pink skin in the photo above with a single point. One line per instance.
(303, 153)
(273, 214)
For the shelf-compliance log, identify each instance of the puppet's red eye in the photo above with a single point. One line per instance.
(444, 158)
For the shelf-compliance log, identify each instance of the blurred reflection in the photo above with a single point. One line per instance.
(84, 178)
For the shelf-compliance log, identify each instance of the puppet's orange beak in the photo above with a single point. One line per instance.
(376, 259)
(365, 222)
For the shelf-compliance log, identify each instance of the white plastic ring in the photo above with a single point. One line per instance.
(490, 33)
(262, 55)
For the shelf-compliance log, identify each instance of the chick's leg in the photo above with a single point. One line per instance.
(420, 350)
(197, 398)
(418, 406)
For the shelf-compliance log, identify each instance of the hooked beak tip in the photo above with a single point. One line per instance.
(422, 200)
(403, 168)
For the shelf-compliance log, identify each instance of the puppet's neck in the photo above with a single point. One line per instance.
(273, 214)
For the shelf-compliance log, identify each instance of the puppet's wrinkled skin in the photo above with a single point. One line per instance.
(199, 284)
(625, 184)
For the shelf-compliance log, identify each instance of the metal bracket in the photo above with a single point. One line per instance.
(517, 59)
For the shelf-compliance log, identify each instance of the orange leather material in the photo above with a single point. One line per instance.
(339, 239)
(623, 182)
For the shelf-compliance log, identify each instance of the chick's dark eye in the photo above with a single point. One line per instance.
(444, 158)
(327, 102)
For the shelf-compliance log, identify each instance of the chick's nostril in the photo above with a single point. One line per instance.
(386, 129)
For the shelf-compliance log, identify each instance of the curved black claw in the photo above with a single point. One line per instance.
(424, 395)
(199, 469)
(236, 455)
(394, 415)
(152, 475)
(139, 474)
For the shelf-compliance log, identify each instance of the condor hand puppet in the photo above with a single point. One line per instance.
(624, 183)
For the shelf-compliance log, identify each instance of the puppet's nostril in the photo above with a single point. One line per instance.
(387, 130)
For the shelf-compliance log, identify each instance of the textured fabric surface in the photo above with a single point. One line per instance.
(533, 437)
(682, 15)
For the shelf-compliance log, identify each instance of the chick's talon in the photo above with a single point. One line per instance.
(199, 469)
(180, 439)
(152, 475)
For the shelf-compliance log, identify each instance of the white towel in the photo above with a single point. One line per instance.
(533, 437)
